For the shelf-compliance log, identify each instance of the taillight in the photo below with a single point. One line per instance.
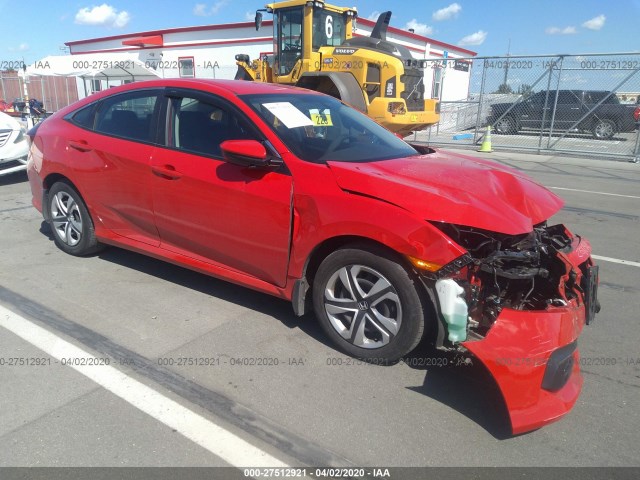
(636, 114)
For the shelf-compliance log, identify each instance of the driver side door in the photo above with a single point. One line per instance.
(231, 216)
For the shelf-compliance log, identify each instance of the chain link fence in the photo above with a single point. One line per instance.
(55, 92)
(579, 104)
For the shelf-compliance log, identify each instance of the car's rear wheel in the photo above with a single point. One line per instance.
(72, 226)
(604, 129)
(368, 304)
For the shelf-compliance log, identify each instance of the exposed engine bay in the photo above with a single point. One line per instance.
(531, 271)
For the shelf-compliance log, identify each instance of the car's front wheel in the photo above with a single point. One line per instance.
(73, 230)
(368, 304)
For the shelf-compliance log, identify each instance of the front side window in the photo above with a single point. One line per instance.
(200, 127)
(128, 116)
(328, 28)
(318, 129)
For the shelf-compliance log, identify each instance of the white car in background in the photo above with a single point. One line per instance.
(14, 145)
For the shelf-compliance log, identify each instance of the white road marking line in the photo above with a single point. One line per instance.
(596, 193)
(616, 260)
(219, 441)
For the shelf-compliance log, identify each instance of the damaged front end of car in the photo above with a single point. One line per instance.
(518, 304)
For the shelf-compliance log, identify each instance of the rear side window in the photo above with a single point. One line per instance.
(129, 116)
(596, 97)
(85, 116)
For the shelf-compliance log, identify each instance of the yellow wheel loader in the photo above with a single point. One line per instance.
(314, 48)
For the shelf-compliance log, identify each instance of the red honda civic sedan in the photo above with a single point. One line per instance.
(292, 193)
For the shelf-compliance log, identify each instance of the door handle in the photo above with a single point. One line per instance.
(168, 172)
(80, 145)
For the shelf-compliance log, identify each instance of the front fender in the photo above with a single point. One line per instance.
(320, 218)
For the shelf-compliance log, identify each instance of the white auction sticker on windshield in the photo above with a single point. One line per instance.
(288, 114)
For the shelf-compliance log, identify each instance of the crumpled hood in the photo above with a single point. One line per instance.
(453, 188)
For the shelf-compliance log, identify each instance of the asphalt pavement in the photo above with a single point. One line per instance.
(244, 366)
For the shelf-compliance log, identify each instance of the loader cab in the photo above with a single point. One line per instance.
(288, 38)
(300, 29)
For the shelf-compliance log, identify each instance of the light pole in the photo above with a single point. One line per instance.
(26, 97)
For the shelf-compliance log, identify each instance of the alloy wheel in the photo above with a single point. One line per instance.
(66, 218)
(604, 130)
(363, 306)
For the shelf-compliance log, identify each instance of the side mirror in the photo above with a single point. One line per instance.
(246, 153)
(258, 20)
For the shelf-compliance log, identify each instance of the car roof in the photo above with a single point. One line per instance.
(228, 88)
(582, 91)
(236, 87)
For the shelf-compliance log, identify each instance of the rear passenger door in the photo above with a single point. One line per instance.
(569, 109)
(112, 151)
(537, 109)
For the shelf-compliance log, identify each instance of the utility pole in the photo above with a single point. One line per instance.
(27, 108)
(506, 65)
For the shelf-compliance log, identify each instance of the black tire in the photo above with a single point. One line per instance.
(396, 300)
(604, 129)
(505, 126)
(71, 224)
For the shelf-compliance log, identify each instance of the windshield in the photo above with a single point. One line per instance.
(319, 128)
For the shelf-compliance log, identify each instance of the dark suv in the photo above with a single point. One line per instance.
(596, 111)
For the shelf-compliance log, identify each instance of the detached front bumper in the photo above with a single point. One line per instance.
(532, 355)
(530, 299)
